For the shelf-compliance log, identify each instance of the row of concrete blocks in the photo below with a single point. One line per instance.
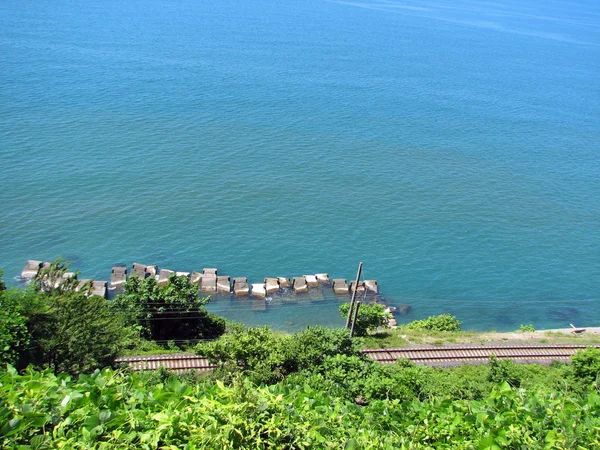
(33, 268)
(210, 282)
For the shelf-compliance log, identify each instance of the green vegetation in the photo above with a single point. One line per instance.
(54, 322)
(174, 312)
(443, 322)
(267, 357)
(527, 328)
(312, 389)
(402, 406)
(369, 318)
(14, 337)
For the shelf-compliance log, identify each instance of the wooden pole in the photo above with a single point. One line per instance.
(354, 318)
(349, 318)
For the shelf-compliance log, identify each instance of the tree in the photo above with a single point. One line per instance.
(266, 357)
(257, 353)
(14, 336)
(71, 332)
(370, 317)
(586, 364)
(172, 312)
(2, 285)
(53, 279)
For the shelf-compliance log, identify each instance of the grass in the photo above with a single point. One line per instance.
(397, 338)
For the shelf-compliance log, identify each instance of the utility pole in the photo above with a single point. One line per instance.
(350, 311)
(354, 318)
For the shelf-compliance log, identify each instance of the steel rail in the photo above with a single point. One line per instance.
(421, 355)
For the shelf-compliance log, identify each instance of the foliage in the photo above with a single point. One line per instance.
(586, 364)
(54, 280)
(72, 332)
(14, 336)
(442, 322)
(503, 371)
(369, 318)
(171, 312)
(527, 328)
(2, 285)
(257, 353)
(114, 410)
(310, 347)
(266, 357)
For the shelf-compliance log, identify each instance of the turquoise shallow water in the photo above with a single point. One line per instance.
(451, 146)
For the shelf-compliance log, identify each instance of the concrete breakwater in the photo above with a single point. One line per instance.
(209, 281)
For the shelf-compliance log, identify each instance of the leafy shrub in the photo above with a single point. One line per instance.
(14, 336)
(51, 279)
(503, 371)
(442, 322)
(171, 312)
(308, 348)
(467, 382)
(526, 328)
(257, 353)
(370, 317)
(73, 333)
(586, 364)
(266, 357)
(114, 410)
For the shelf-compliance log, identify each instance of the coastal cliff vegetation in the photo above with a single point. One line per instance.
(311, 389)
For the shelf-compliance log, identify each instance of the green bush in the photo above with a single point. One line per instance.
(173, 312)
(73, 333)
(586, 364)
(266, 357)
(257, 353)
(307, 349)
(442, 322)
(114, 410)
(14, 336)
(370, 317)
(500, 371)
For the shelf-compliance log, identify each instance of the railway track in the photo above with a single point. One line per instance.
(436, 356)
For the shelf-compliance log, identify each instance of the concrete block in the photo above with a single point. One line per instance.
(196, 278)
(223, 284)
(209, 283)
(65, 276)
(209, 271)
(322, 278)
(240, 286)
(163, 277)
(340, 286)
(259, 290)
(271, 285)
(299, 284)
(118, 276)
(152, 271)
(138, 270)
(311, 280)
(360, 289)
(99, 288)
(31, 269)
(183, 274)
(371, 286)
(284, 282)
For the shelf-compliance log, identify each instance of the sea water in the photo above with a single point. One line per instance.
(452, 146)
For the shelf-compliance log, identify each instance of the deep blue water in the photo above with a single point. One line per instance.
(452, 146)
